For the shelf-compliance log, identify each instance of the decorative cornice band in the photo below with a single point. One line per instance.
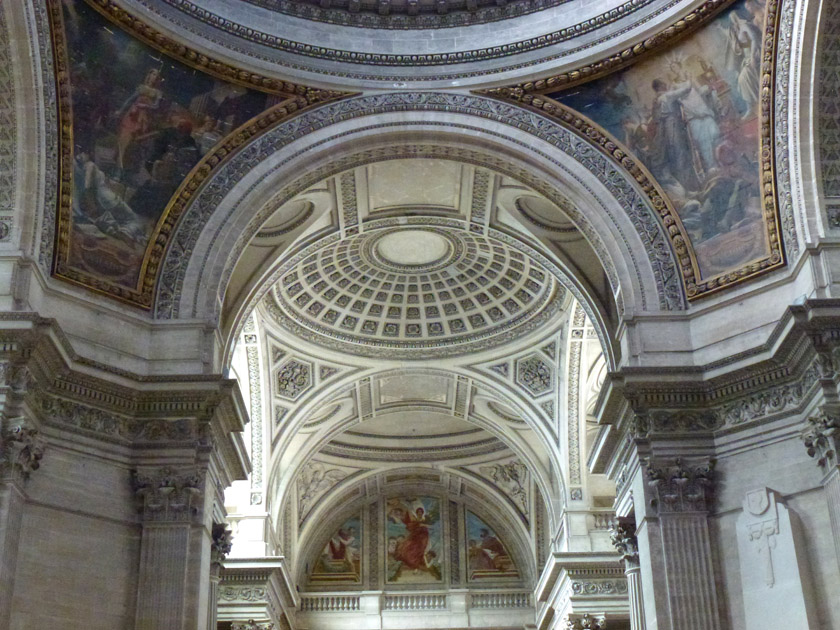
(406, 60)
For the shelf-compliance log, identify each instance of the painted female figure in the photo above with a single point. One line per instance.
(136, 113)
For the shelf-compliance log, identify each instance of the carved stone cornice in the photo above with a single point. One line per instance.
(21, 449)
(821, 436)
(623, 537)
(169, 495)
(780, 378)
(680, 486)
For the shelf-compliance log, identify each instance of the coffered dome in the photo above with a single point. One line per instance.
(419, 289)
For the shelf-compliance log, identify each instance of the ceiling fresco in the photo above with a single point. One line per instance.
(695, 122)
(136, 124)
(147, 121)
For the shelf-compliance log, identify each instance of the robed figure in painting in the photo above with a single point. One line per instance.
(412, 551)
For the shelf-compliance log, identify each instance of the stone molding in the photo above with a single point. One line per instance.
(170, 495)
(680, 486)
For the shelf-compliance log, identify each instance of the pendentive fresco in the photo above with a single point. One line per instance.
(143, 130)
(692, 116)
(340, 561)
(138, 123)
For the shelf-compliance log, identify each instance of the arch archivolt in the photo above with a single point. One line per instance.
(602, 199)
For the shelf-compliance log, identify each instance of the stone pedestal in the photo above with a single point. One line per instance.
(774, 578)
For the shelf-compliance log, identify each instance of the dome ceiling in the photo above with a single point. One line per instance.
(416, 290)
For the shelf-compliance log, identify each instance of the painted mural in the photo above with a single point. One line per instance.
(340, 561)
(487, 556)
(140, 123)
(691, 116)
(414, 541)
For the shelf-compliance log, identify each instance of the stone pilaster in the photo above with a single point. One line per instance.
(219, 549)
(21, 450)
(174, 576)
(623, 536)
(679, 590)
(821, 436)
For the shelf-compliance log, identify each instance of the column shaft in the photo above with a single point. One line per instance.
(634, 593)
(11, 514)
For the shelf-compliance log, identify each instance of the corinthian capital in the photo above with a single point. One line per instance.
(21, 449)
(585, 622)
(821, 436)
(169, 494)
(681, 486)
(623, 536)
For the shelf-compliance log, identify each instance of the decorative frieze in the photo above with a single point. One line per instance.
(169, 495)
(600, 587)
(252, 625)
(681, 487)
(246, 594)
(821, 436)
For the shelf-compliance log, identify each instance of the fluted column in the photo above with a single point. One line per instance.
(174, 578)
(21, 450)
(675, 547)
(623, 536)
(821, 436)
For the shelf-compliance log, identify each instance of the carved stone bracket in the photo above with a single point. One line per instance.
(21, 449)
(623, 536)
(585, 622)
(681, 487)
(821, 436)
(169, 495)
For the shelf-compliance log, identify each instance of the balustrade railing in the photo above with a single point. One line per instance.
(409, 602)
(329, 603)
(422, 601)
(501, 600)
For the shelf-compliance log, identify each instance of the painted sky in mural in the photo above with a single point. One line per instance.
(141, 122)
(414, 547)
(691, 115)
(341, 559)
(487, 556)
